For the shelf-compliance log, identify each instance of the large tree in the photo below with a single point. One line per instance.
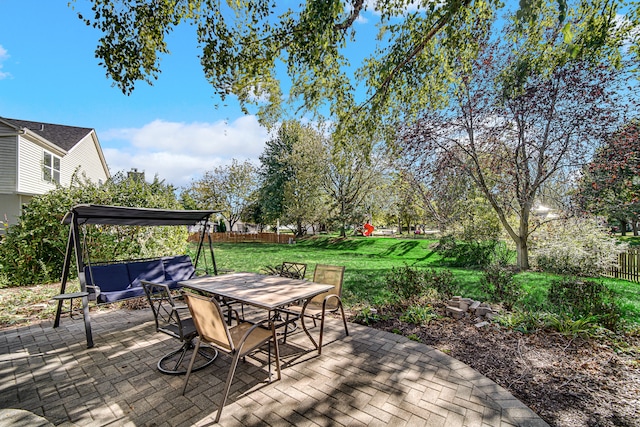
(610, 185)
(293, 164)
(519, 115)
(244, 42)
(350, 177)
(230, 188)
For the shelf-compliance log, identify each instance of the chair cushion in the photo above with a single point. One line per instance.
(178, 268)
(110, 277)
(151, 271)
(114, 296)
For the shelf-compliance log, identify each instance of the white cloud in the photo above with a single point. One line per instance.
(4, 55)
(181, 152)
(412, 6)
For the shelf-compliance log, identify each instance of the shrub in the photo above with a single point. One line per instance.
(576, 247)
(405, 282)
(442, 281)
(32, 251)
(585, 298)
(367, 315)
(499, 285)
(523, 321)
(409, 284)
(565, 325)
(418, 314)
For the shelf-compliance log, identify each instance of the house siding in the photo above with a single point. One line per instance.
(10, 209)
(85, 156)
(8, 163)
(22, 148)
(30, 180)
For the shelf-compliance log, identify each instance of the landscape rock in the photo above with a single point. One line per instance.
(483, 311)
(458, 307)
(455, 312)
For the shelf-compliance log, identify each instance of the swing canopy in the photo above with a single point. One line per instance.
(121, 215)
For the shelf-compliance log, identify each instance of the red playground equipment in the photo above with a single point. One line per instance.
(368, 229)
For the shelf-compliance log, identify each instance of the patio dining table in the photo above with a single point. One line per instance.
(270, 293)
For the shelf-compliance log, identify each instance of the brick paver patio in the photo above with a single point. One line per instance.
(369, 378)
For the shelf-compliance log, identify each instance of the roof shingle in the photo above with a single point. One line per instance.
(65, 137)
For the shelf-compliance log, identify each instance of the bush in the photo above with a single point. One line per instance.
(576, 247)
(32, 251)
(442, 281)
(565, 325)
(523, 321)
(418, 314)
(585, 298)
(409, 284)
(499, 285)
(405, 282)
(366, 315)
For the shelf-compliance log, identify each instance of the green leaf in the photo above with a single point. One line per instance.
(567, 34)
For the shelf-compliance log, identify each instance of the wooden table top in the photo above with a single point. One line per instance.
(268, 292)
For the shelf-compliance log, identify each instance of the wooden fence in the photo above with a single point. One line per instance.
(628, 267)
(236, 237)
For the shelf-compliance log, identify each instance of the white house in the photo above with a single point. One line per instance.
(35, 157)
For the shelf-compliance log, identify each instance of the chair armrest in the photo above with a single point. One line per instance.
(254, 327)
(327, 298)
(93, 289)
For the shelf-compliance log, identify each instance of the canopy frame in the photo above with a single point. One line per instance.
(120, 215)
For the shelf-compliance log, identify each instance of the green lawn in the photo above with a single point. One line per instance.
(368, 259)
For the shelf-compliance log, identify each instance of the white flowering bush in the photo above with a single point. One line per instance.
(576, 246)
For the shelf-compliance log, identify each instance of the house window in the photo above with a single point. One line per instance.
(51, 168)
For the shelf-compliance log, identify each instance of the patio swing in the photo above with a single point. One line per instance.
(119, 280)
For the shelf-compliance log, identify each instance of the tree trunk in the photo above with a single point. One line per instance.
(343, 219)
(634, 225)
(522, 242)
(623, 227)
(522, 250)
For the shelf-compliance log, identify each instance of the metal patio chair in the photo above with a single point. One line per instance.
(174, 320)
(293, 270)
(237, 341)
(329, 301)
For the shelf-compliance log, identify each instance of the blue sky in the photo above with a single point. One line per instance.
(48, 73)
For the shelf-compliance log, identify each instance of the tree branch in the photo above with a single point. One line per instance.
(384, 87)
